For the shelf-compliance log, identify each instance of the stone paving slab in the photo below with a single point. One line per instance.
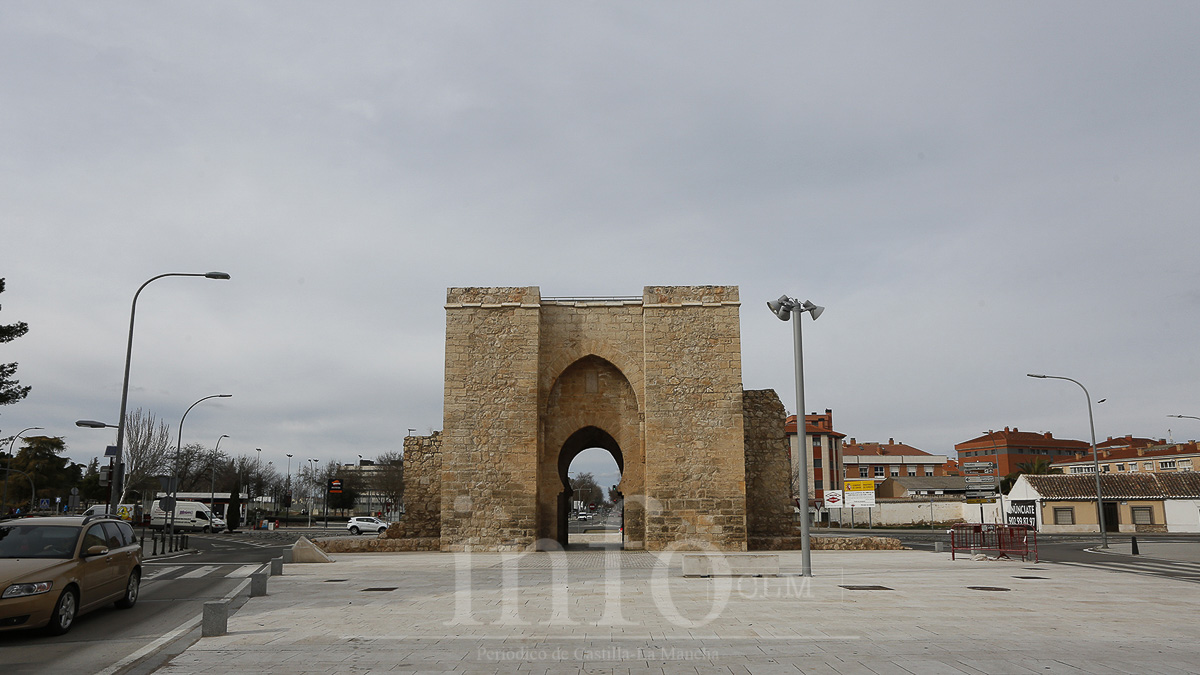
(498, 613)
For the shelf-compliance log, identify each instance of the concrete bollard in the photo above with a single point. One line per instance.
(1135, 546)
(287, 556)
(939, 547)
(276, 567)
(216, 618)
(258, 584)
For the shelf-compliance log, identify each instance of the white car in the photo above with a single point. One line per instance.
(360, 524)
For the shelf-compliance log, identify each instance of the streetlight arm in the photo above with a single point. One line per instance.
(119, 474)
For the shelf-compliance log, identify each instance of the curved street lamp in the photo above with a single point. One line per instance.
(118, 479)
(212, 486)
(178, 449)
(8, 468)
(785, 308)
(1095, 455)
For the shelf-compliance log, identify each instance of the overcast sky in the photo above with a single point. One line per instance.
(975, 191)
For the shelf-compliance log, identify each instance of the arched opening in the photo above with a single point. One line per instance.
(590, 406)
(590, 513)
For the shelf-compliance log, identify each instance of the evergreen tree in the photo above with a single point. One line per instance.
(11, 390)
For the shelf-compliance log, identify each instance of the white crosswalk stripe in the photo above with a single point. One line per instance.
(243, 571)
(157, 572)
(167, 573)
(199, 572)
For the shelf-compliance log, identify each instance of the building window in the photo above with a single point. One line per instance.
(895, 471)
(816, 442)
(1185, 465)
(1148, 466)
(912, 471)
(1142, 515)
(816, 462)
(1064, 515)
(1166, 465)
(928, 472)
(879, 472)
(863, 472)
(1104, 468)
(1120, 467)
(1133, 466)
(1083, 469)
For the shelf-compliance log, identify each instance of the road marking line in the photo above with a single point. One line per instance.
(158, 572)
(243, 571)
(198, 572)
(158, 644)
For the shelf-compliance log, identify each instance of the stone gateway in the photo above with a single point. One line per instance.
(655, 380)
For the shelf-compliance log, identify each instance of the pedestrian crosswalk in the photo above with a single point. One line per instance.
(1183, 571)
(155, 572)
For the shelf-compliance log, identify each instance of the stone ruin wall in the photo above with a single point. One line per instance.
(422, 488)
(768, 465)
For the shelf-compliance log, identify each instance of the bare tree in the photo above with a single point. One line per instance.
(387, 479)
(147, 451)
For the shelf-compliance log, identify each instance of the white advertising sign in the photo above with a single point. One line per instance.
(833, 499)
(860, 498)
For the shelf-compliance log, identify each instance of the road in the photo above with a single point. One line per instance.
(164, 621)
(1084, 551)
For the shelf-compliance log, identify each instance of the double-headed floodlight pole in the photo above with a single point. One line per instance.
(212, 486)
(786, 308)
(118, 479)
(1095, 455)
(178, 450)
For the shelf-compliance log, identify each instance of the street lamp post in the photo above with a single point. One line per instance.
(288, 493)
(212, 486)
(8, 467)
(178, 450)
(788, 308)
(1095, 455)
(118, 479)
(258, 476)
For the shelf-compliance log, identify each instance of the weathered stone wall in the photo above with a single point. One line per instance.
(591, 376)
(656, 381)
(489, 471)
(768, 465)
(695, 454)
(422, 488)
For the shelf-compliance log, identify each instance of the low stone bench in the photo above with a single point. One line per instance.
(730, 565)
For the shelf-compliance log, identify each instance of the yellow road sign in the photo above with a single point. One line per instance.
(860, 486)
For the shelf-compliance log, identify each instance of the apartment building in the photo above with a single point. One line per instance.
(1134, 455)
(1011, 447)
(824, 454)
(880, 461)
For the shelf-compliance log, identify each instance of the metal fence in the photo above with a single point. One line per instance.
(1005, 540)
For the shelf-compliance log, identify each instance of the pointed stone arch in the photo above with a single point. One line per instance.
(589, 404)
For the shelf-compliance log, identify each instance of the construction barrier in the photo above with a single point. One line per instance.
(1005, 540)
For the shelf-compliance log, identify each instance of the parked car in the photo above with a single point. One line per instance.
(359, 524)
(54, 569)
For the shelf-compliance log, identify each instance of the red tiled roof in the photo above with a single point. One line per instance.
(789, 426)
(881, 449)
(1132, 453)
(1014, 438)
(1117, 486)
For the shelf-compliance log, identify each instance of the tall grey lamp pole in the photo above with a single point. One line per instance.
(1095, 455)
(212, 486)
(11, 457)
(118, 479)
(787, 308)
(179, 449)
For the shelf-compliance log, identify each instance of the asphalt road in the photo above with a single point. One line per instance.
(164, 621)
(1085, 551)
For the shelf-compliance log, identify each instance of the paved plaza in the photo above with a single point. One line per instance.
(868, 612)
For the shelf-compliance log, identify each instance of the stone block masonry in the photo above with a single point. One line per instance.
(531, 381)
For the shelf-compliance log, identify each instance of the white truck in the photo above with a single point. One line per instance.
(189, 517)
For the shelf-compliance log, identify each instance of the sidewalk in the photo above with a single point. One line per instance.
(1149, 548)
(628, 612)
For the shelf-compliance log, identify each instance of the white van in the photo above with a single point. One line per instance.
(124, 511)
(189, 516)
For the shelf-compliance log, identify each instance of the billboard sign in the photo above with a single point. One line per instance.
(1022, 513)
(833, 499)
